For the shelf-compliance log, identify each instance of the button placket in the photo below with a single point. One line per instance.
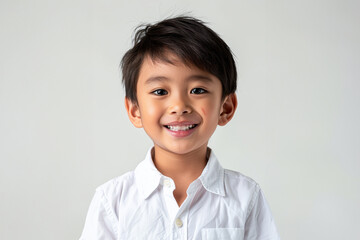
(180, 221)
(172, 207)
(179, 229)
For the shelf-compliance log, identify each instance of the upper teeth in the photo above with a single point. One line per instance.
(180, 128)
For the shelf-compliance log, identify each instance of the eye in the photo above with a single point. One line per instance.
(160, 92)
(198, 91)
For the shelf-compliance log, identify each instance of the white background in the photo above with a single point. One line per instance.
(64, 129)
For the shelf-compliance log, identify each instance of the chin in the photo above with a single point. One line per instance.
(183, 149)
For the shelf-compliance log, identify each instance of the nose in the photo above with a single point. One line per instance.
(180, 105)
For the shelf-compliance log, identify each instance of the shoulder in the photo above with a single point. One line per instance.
(241, 188)
(238, 179)
(114, 188)
(248, 195)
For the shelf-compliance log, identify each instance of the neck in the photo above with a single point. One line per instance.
(187, 166)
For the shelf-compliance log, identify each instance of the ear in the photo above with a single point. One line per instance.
(133, 112)
(228, 109)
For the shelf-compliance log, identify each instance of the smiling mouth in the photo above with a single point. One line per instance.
(177, 128)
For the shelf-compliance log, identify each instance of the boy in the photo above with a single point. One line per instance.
(180, 82)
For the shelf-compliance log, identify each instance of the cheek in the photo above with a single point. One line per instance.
(210, 112)
(203, 111)
(150, 111)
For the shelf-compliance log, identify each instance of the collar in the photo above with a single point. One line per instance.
(212, 177)
(148, 178)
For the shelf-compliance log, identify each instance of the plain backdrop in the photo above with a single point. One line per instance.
(64, 130)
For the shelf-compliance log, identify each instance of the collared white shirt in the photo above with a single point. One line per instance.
(220, 204)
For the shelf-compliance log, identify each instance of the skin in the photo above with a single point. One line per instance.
(179, 96)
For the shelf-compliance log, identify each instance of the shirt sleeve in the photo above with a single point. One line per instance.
(260, 224)
(100, 220)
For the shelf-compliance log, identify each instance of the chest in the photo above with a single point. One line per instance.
(202, 215)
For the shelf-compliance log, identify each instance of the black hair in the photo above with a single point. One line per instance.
(190, 40)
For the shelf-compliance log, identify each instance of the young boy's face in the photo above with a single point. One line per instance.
(178, 106)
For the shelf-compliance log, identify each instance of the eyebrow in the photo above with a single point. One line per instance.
(201, 78)
(156, 79)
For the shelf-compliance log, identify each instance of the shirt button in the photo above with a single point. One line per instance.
(178, 223)
(167, 183)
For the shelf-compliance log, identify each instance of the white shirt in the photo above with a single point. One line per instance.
(220, 204)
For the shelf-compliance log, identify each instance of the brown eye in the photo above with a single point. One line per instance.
(160, 92)
(198, 91)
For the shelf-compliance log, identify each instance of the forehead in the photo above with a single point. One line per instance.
(170, 67)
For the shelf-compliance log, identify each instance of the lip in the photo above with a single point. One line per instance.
(180, 124)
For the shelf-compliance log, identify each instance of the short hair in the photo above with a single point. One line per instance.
(190, 40)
